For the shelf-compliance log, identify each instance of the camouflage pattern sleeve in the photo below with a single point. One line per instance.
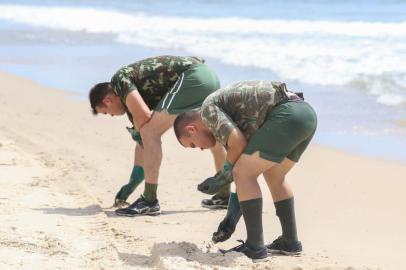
(199, 59)
(218, 122)
(123, 82)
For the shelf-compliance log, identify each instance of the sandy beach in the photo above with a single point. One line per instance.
(60, 168)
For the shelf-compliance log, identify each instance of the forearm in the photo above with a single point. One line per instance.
(236, 145)
(219, 155)
(139, 110)
(233, 154)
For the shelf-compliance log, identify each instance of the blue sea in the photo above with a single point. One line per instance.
(348, 57)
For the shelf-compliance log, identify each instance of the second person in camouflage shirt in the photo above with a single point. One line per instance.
(152, 92)
(265, 129)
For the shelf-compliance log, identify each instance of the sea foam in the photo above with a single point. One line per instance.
(367, 55)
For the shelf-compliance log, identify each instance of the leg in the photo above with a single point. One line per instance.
(152, 155)
(138, 156)
(151, 135)
(245, 173)
(292, 125)
(282, 195)
(275, 179)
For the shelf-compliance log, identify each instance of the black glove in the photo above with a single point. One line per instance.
(225, 230)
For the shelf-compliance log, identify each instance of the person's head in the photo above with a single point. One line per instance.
(191, 132)
(104, 100)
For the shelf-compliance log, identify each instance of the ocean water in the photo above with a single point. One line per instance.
(349, 57)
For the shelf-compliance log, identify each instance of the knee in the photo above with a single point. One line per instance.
(241, 174)
(276, 182)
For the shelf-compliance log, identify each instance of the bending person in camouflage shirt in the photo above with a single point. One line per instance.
(265, 129)
(152, 92)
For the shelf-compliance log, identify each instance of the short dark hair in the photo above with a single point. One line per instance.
(182, 120)
(97, 93)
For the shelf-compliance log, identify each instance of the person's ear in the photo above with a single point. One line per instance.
(107, 101)
(191, 129)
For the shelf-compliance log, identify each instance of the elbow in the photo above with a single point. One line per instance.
(144, 121)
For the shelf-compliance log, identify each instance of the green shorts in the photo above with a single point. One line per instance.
(190, 90)
(286, 132)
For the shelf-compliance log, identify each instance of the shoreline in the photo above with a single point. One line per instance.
(354, 138)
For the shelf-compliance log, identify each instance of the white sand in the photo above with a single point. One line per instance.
(60, 168)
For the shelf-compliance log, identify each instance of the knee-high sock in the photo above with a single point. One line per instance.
(285, 210)
(252, 213)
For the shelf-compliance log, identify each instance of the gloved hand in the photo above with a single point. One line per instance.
(137, 176)
(213, 184)
(135, 135)
(121, 197)
(120, 203)
(224, 230)
(227, 226)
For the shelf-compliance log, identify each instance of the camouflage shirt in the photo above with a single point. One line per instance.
(243, 105)
(152, 77)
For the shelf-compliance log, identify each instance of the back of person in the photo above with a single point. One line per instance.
(265, 129)
(153, 77)
(246, 103)
(152, 92)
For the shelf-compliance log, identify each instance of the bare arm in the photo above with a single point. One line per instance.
(225, 131)
(139, 110)
(236, 144)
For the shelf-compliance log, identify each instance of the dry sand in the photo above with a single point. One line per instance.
(60, 168)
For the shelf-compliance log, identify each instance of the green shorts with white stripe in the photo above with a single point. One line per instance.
(190, 90)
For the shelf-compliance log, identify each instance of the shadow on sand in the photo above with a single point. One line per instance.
(90, 210)
(112, 214)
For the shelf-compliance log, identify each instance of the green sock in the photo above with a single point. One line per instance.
(233, 208)
(252, 213)
(150, 191)
(285, 210)
(224, 192)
